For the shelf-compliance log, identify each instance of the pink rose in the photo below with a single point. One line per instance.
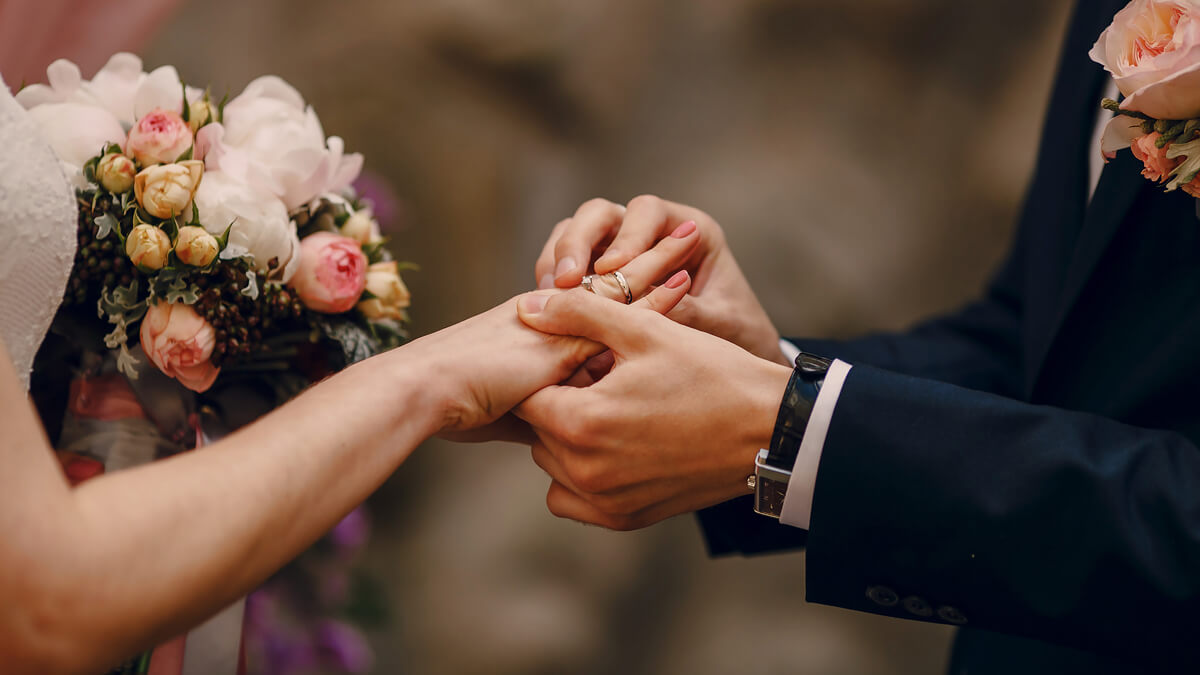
(180, 342)
(1152, 50)
(1158, 165)
(332, 272)
(159, 137)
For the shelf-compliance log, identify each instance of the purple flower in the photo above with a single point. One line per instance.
(350, 535)
(385, 205)
(342, 646)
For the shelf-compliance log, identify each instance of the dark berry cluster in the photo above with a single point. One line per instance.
(240, 321)
(99, 263)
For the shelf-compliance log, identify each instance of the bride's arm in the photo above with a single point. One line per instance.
(91, 575)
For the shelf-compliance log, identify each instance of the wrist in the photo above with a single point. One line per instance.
(765, 388)
(420, 392)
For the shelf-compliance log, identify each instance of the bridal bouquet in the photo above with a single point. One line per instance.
(1152, 50)
(209, 230)
(223, 264)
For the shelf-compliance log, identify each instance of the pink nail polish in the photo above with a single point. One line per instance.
(677, 280)
(684, 229)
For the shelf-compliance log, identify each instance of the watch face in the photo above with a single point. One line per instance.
(768, 496)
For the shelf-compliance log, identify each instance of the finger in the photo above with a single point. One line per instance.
(552, 408)
(548, 462)
(600, 365)
(647, 219)
(582, 314)
(564, 503)
(543, 270)
(665, 298)
(509, 428)
(593, 222)
(658, 263)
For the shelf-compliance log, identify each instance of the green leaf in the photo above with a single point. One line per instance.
(1189, 168)
(187, 154)
(187, 113)
(221, 107)
(181, 291)
(106, 224)
(251, 289)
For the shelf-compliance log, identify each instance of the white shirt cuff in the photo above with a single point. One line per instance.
(790, 351)
(797, 503)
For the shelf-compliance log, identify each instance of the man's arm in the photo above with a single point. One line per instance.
(939, 503)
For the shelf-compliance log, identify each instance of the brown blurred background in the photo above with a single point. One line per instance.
(865, 158)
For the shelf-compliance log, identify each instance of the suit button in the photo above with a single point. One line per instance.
(917, 606)
(951, 615)
(883, 596)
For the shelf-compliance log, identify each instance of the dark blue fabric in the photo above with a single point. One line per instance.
(1032, 460)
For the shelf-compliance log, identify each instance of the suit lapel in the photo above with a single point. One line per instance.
(1120, 183)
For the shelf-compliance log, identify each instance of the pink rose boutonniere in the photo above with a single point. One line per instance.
(1152, 50)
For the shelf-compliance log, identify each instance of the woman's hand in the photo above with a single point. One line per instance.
(486, 365)
(721, 301)
(674, 427)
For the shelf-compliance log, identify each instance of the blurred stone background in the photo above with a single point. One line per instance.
(866, 159)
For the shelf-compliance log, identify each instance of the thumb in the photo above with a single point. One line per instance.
(582, 314)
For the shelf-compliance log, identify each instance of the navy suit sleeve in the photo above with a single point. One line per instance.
(978, 347)
(1024, 519)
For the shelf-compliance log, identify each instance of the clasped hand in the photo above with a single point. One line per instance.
(669, 419)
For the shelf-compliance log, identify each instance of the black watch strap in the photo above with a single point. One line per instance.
(796, 409)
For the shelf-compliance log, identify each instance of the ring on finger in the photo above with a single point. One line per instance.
(616, 274)
(587, 283)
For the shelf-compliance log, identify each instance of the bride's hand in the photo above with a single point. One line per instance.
(721, 302)
(483, 367)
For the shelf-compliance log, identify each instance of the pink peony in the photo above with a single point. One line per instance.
(332, 273)
(180, 342)
(1158, 165)
(1152, 50)
(159, 137)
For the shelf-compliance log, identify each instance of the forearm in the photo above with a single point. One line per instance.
(206, 527)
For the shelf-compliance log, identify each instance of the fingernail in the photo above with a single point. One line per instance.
(546, 282)
(565, 266)
(533, 304)
(676, 281)
(684, 229)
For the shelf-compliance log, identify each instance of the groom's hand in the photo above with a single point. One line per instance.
(721, 301)
(673, 427)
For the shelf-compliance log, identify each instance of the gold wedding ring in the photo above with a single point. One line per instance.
(624, 286)
(589, 284)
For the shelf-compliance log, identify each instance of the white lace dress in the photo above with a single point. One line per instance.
(37, 234)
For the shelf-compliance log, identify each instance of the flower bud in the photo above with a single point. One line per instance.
(391, 295)
(166, 190)
(115, 172)
(159, 137)
(148, 247)
(195, 246)
(361, 227)
(201, 112)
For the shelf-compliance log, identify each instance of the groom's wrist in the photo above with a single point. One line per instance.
(774, 465)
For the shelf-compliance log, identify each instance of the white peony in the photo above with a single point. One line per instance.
(270, 139)
(260, 220)
(78, 117)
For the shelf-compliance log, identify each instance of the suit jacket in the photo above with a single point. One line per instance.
(1028, 468)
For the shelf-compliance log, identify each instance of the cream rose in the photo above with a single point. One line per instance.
(180, 343)
(260, 221)
(268, 137)
(159, 137)
(391, 296)
(148, 247)
(195, 246)
(166, 190)
(332, 273)
(362, 227)
(1152, 50)
(115, 172)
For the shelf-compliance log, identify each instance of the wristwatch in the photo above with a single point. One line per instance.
(773, 466)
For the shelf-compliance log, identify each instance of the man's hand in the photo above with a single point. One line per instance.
(721, 302)
(672, 428)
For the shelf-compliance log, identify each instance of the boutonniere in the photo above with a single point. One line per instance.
(1152, 50)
